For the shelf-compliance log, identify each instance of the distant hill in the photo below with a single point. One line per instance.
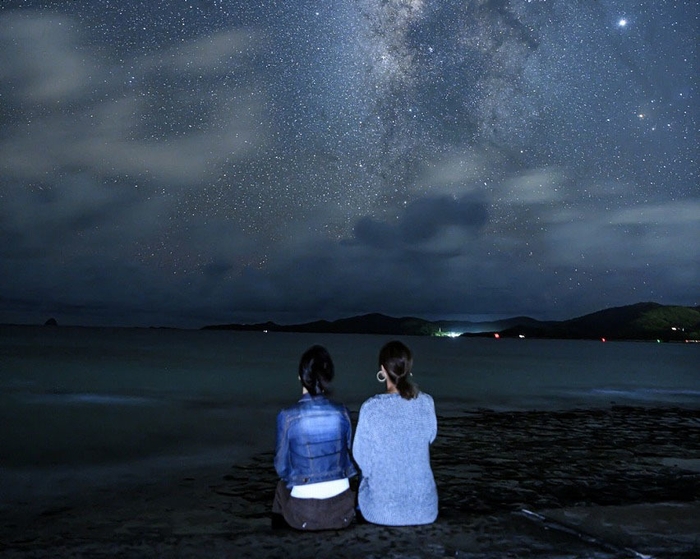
(379, 324)
(366, 324)
(643, 321)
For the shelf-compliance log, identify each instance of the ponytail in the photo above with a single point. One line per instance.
(397, 360)
(316, 370)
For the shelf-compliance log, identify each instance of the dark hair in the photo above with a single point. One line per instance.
(397, 359)
(316, 370)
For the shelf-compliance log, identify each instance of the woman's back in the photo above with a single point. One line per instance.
(312, 453)
(392, 447)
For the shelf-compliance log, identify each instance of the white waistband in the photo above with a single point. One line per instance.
(322, 490)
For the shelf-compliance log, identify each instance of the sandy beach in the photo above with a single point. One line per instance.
(598, 483)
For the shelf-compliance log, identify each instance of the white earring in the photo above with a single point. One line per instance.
(381, 376)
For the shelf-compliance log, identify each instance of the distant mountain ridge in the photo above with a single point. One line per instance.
(641, 321)
(376, 323)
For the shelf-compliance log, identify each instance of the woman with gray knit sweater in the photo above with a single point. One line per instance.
(392, 447)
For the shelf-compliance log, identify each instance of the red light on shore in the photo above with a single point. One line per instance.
(602, 339)
(496, 335)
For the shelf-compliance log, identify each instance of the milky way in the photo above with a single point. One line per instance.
(192, 162)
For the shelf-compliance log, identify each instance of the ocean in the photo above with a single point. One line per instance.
(91, 406)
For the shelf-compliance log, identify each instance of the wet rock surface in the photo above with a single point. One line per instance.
(565, 459)
(602, 483)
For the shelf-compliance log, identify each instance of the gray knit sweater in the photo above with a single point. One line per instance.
(392, 447)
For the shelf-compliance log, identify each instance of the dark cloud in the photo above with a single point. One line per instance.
(426, 217)
(375, 233)
(424, 222)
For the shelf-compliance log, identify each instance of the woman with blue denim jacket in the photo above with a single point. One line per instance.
(312, 454)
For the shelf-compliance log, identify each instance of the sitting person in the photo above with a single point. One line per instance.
(392, 447)
(312, 455)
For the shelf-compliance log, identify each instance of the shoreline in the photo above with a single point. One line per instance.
(599, 482)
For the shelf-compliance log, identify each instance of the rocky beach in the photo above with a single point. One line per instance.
(596, 483)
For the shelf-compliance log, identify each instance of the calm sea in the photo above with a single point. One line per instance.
(85, 404)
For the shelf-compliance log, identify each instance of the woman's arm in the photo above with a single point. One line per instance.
(348, 434)
(360, 450)
(282, 446)
(433, 421)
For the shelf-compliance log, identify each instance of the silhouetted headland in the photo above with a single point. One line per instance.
(641, 321)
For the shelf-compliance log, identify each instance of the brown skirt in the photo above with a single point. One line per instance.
(334, 513)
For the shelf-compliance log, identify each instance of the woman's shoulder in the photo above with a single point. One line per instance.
(425, 401)
(377, 401)
(338, 406)
(313, 405)
(291, 409)
(380, 400)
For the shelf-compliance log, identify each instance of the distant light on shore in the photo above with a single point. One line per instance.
(448, 334)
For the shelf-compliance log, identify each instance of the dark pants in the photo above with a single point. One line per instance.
(334, 513)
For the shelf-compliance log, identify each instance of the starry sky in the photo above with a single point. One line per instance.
(193, 162)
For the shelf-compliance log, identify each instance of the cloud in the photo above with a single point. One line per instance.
(459, 171)
(681, 212)
(74, 108)
(374, 233)
(43, 59)
(425, 217)
(423, 223)
(535, 186)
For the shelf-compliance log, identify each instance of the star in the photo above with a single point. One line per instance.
(622, 22)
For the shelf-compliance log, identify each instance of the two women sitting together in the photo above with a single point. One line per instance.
(315, 450)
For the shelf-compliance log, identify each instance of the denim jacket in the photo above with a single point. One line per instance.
(313, 442)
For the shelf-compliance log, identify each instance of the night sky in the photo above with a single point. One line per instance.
(183, 163)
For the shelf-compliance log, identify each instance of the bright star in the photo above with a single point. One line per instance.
(622, 22)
